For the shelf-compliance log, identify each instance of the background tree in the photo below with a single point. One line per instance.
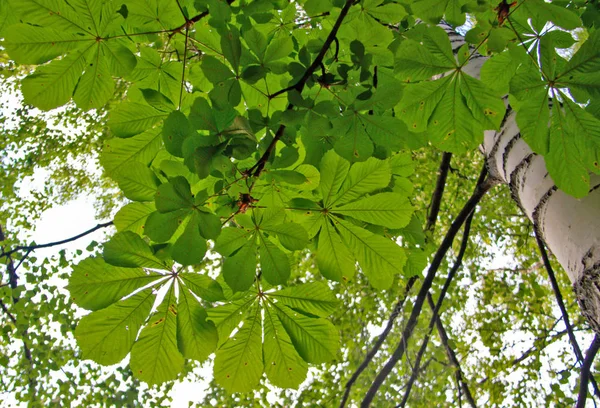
(302, 142)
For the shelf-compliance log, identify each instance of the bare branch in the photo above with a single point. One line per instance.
(371, 354)
(584, 377)
(435, 318)
(563, 309)
(480, 190)
(298, 86)
(51, 244)
(436, 197)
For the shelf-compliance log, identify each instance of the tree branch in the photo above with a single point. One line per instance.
(371, 354)
(563, 309)
(260, 164)
(584, 377)
(51, 244)
(435, 318)
(436, 197)
(480, 190)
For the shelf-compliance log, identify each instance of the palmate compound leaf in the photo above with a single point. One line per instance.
(341, 243)
(95, 284)
(274, 336)
(155, 357)
(454, 110)
(85, 73)
(107, 335)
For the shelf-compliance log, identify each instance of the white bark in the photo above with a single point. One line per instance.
(569, 226)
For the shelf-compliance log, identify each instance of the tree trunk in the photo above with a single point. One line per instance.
(569, 226)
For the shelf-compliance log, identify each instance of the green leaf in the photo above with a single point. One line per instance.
(190, 247)
(119, 152)
(137, 181)
(228, 316)
(278, 48)
(208, 223)
(203, 286)
(132, 217)
(130, 250)
(119, 58)
(386, 209)
(363, 178)
(215, 71)
(419, 101)
(96, 86)
(390, 13)
(155, 357)
(131, 118)
(314, 298)
(274, 263)
(95, 285)
(486, 107)
(28, 44)
(316, 340)
(175, 130)
(231, 239)
(196, 336)
(379, 258)
(291, 235)
(333, 172)
(413, 62)
(334, 260)
(239, 270)
(160, 227)
(106, 336)
(283, 365)
(174, 195)
(52, 85)
(239, 362)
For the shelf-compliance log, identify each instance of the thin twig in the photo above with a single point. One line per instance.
(371, 354)
(51, 244)
(584, 377)
(257, 169)
(480, 190)
(563, 309)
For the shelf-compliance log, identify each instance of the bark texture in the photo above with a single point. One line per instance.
(569, 226)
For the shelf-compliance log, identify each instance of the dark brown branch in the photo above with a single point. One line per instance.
(436, 197)
(435, 318)
(299, 86)
(563, 309)
(584, 377)
(51, 244)
(480, 190)
(371, 354)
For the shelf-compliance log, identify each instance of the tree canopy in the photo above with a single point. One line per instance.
(278, 179)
